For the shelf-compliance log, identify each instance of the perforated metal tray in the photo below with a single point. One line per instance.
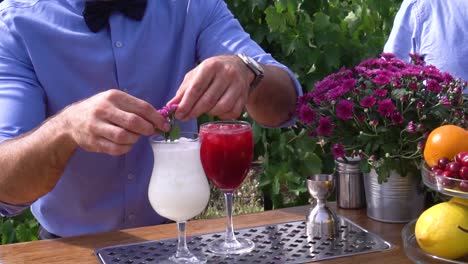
(280, 243)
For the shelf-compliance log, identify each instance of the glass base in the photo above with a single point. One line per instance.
(239, 246)
(184, 260)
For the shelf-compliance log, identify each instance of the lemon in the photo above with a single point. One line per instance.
(459, 200)
(442, 230)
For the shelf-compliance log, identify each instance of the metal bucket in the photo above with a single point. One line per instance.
(349, 185)
(399, 200)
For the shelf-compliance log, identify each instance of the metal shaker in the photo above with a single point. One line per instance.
(350, 192)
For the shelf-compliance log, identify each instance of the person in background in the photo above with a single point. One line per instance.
(435, 29)
(80, 85)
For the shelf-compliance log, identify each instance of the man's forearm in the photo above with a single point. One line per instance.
(274, 100)
(32, 164)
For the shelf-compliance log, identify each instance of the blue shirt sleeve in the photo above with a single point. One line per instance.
(222, 34)
(21, 97)
(403, 37)
(9, 210)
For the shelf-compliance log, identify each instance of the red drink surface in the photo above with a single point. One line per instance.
(226, 153)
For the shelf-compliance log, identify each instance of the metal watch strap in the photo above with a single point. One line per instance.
(255, 67)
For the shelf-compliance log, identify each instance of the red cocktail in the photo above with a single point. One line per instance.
(226, 154)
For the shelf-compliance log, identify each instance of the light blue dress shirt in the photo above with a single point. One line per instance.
(436, 29)
(50, 59)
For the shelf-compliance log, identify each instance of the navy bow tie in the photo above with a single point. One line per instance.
(96, 13)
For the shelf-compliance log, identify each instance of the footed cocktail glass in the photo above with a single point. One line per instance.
(178, 189)
(226, 155)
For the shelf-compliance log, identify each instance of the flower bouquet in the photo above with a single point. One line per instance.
(382, 110)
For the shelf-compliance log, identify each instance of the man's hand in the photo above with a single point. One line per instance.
(111, 122)
(218, 87)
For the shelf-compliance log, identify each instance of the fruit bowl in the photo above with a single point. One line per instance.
(444, 185)
(416, 254)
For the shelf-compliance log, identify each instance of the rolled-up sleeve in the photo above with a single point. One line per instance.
(223, 34)
(8, 210)
(22, 100)
(22, 104)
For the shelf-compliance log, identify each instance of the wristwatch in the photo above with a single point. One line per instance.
(255, 67)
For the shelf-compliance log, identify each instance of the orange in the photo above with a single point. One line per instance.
(445, 142)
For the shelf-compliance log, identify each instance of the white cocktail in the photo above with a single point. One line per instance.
(178, 189)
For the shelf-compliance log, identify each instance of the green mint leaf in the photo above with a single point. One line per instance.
(174, 133)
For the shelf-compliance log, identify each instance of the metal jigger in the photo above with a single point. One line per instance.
(321, 221)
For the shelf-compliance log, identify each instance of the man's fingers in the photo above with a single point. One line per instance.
(131, 122)
(142, 109)
(208, 100)
(118, 135)
(103, 145)
(227, 102)
(194, 86)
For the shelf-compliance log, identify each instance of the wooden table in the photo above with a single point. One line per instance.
(81, 249)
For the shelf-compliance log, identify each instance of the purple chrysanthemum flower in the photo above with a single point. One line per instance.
(380, 92)
(386, 108)
(397, 83)
(413, 86)
(338, 151)
(434, 86)
(325, 126)
(335, 93)
(411, 127)
(368, 101)
(381, 79)
(345, 109)
(445, 101)
(306, 114)
(167, 110)
(164, 112)
(397, 118)
(349, 84)
(374, 122)
(419, 105)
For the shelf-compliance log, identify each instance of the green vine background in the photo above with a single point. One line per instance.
(314, 38)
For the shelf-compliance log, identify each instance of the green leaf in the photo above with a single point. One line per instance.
(275, 20)
(8, 232)
(23, 233)
(174, 133)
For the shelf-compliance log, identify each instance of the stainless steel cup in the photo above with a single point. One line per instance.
(350, 192)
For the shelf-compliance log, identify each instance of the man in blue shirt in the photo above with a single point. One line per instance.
(435, 29)
(79, 100)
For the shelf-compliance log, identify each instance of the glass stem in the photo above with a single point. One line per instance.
(230, 237)
(182, 249)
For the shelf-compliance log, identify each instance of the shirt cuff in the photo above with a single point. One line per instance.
(9, 210)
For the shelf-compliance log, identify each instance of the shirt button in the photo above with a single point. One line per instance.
(131, 217)
(130, 177)
(118, 44)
